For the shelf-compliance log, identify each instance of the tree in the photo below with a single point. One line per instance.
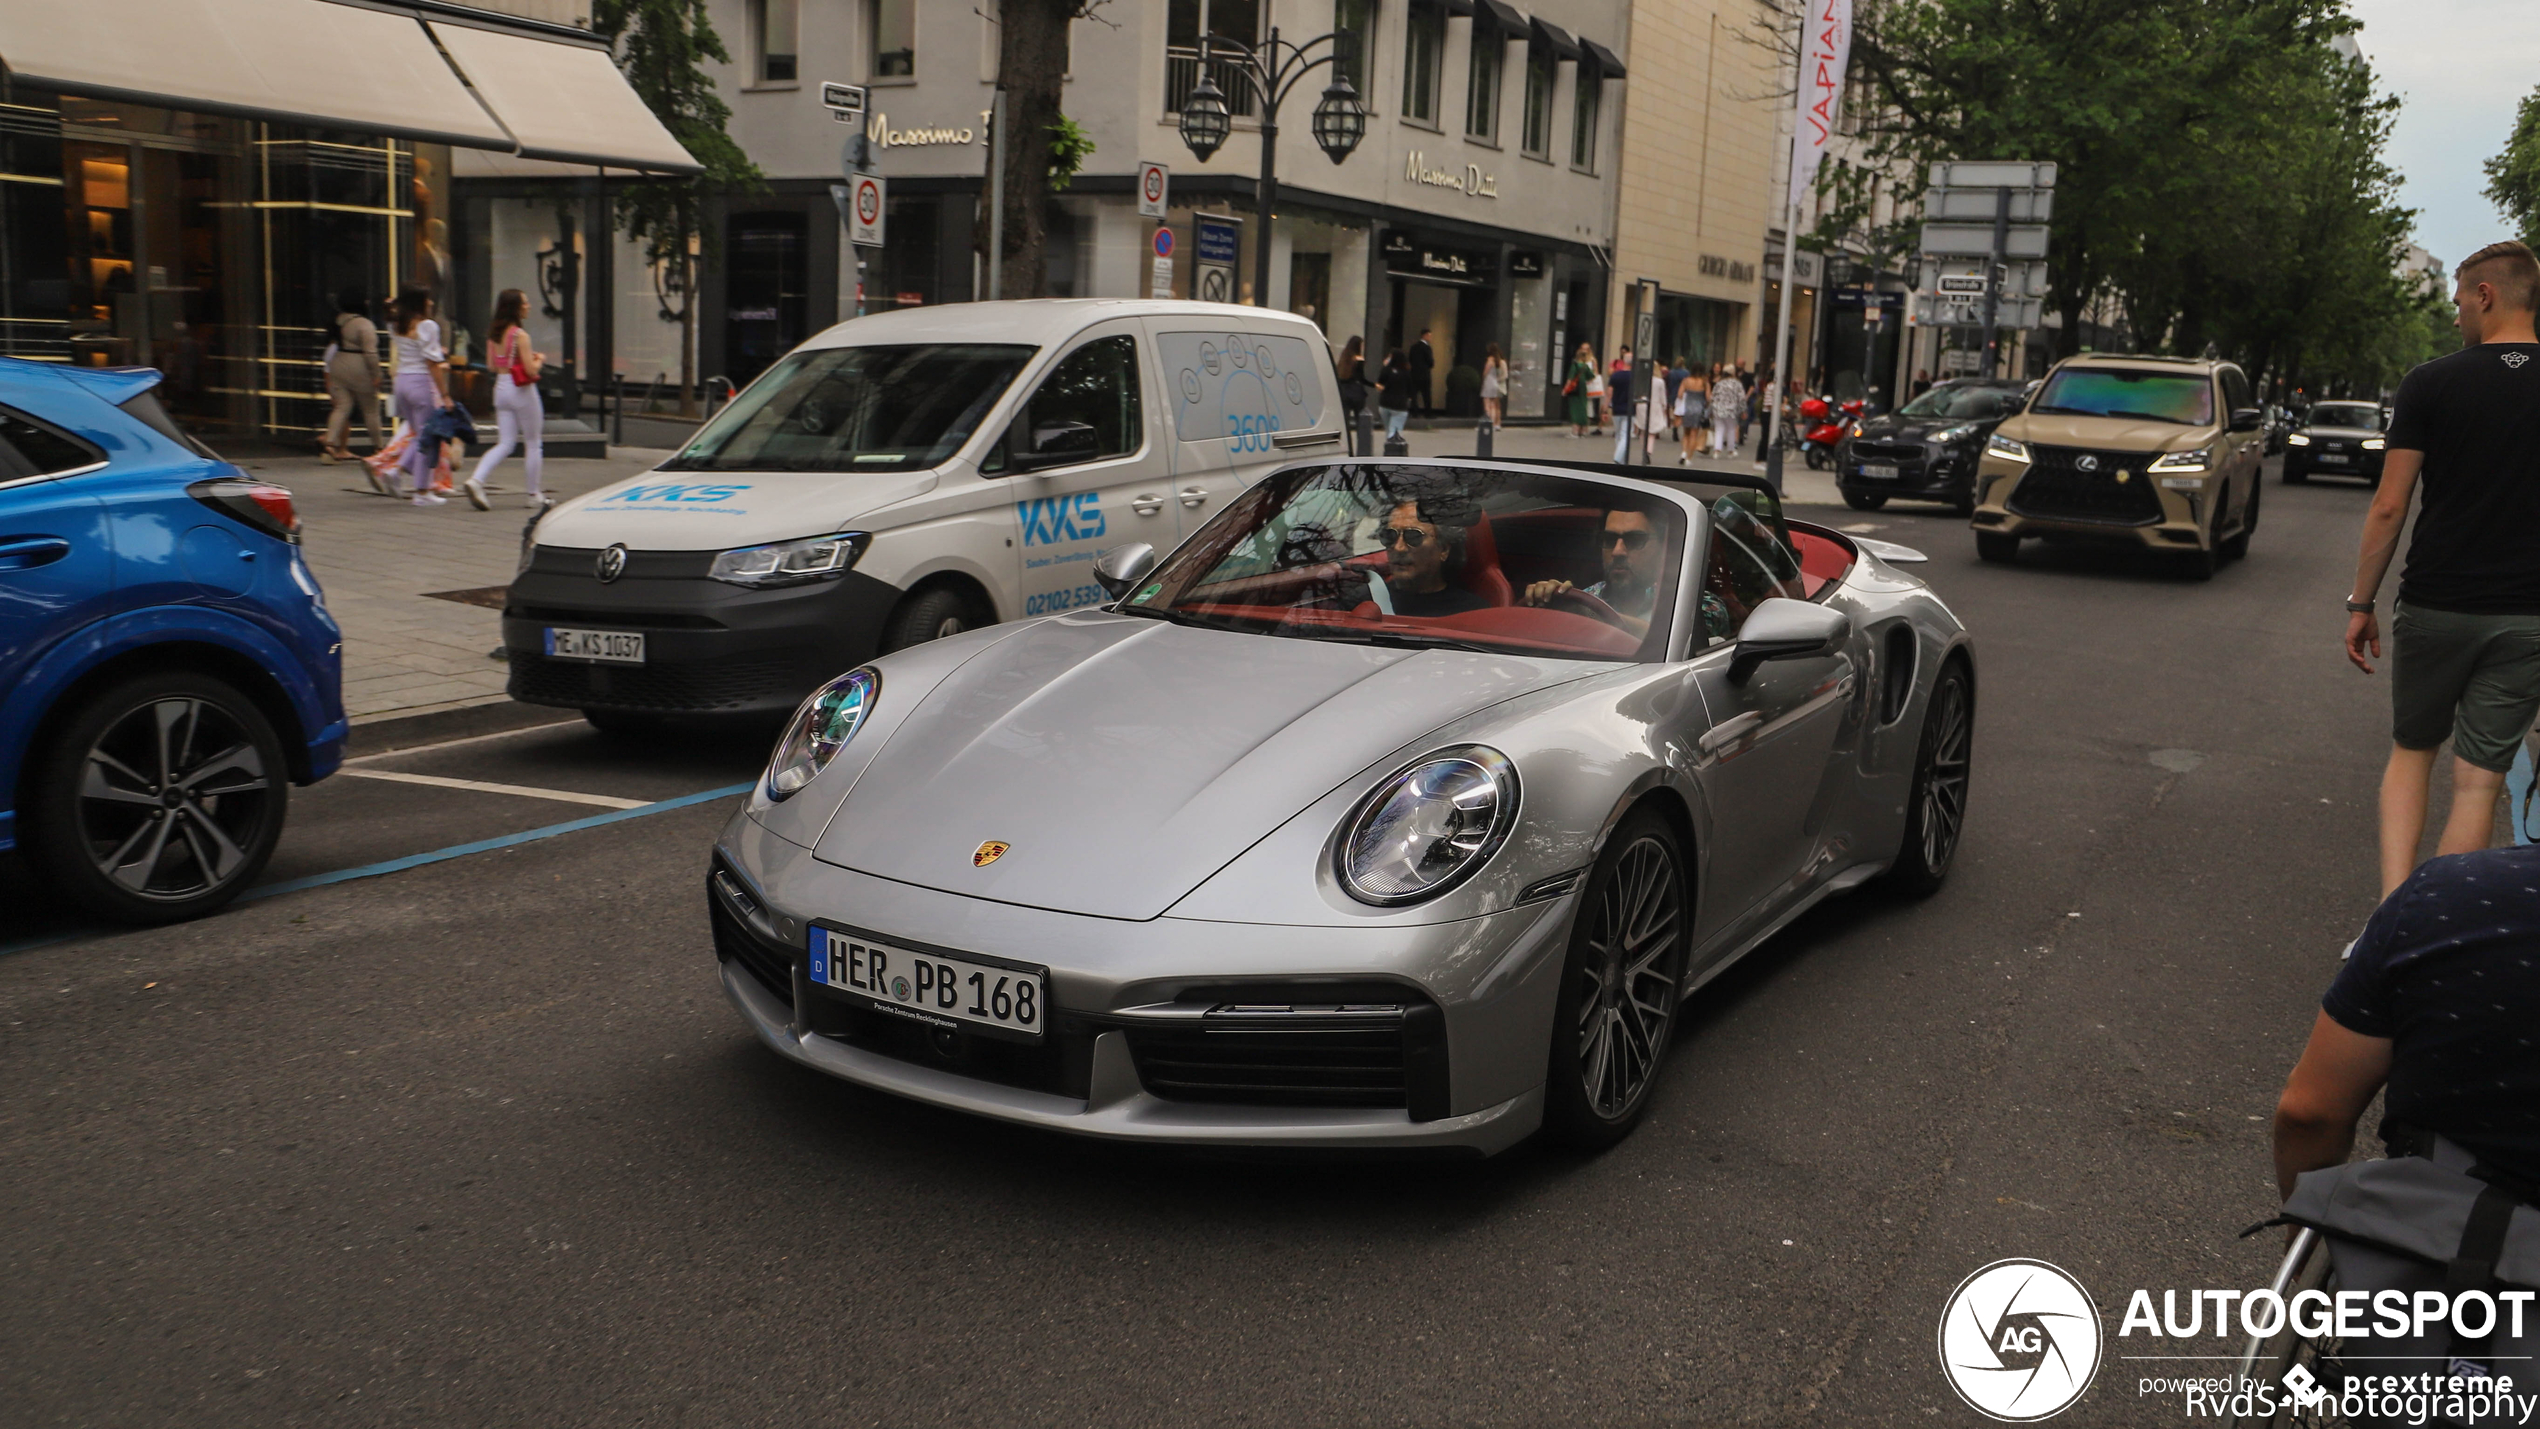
(1046, 146)
(661, 46)
(2513, 177)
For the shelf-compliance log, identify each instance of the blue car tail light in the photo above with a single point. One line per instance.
(260, 504)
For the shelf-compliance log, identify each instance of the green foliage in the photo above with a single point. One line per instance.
(662, 47)
(1070, 147)
(2513, 177)
(2221, 182)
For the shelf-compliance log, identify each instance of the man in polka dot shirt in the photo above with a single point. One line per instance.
(2440, 999)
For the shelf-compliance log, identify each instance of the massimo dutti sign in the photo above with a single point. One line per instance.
(1469, 181)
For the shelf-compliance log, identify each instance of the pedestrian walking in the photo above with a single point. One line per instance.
(1596, 395)
(1618, 395)
(352, 377)
(1746, 409)
(1575, 390)
(422, 370)
(1728, 408)
(2465, 631)
(1673, 386)
(1424, 366)
(520, 417)
(1494, 387)
(1352, 371)
(1396, 390)
(1693, 413)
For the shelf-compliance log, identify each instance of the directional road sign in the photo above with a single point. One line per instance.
(1975, 240)
(1977, 205)
(1987, 174)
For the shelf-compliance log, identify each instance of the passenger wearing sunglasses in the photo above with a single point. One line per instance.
(1629, 547)
(1419, 552)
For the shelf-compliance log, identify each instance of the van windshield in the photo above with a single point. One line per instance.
(900, 408)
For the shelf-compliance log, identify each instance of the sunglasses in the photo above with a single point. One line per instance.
(1410, 538)
(1629, 540)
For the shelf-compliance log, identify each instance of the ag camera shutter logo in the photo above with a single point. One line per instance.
(2020, 1341)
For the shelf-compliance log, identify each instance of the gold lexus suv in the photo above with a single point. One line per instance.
(2160, 452)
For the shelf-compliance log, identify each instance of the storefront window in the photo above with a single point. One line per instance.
(893, 25)
(1584, 114)
(1481, 93)
(1354, 42)
(33, 292)
(1423, 53)
(1541, 69)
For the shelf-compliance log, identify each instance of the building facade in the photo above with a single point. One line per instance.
(1479, 207)
(166, 202)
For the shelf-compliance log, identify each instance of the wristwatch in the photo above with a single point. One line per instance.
(2360, 607)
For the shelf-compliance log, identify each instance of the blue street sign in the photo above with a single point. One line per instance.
(1164, 243)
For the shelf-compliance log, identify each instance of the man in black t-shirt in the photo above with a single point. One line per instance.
(2440, 998)
(2465, 634)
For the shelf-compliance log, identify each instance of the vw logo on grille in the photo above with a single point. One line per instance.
(611, 565)
(2084, 462)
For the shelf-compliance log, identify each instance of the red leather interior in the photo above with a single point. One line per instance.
(1482, 575)
(1822, 559)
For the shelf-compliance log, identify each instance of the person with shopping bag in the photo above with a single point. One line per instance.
(520, 418)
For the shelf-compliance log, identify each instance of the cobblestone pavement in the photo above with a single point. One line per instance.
(383, 562)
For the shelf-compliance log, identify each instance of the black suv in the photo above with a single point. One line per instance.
(2336, 439)
(1926, 449)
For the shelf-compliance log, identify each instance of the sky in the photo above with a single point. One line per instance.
(2461, 67)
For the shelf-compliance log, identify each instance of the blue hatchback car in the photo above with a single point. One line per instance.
(168, 667)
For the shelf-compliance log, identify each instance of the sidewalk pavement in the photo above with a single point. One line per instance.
(419, 590)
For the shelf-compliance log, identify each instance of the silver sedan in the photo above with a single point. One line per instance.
(1402, 805)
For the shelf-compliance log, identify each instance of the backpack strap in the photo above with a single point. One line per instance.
(2473, 1267)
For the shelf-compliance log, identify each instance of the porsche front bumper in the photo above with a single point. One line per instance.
(1475, 1001)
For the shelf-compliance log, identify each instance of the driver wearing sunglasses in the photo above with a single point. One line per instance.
(1419, 552)
(1629, 550)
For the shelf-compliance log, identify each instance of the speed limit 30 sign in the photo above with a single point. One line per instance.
(1152, 182)
(865, 211)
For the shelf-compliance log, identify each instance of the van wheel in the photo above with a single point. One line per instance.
(928, 615)
(1997, 547)
(160, 799)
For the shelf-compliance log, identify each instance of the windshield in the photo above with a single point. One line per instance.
(857, 409)
(2341, 414)
(1964, 404)
(1456, 558)
(2186, 398)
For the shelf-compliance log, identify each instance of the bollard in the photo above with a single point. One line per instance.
(1363, 438)
(1482, 437)
(617, 409)
(1397, 445)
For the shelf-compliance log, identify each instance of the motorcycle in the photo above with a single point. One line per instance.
(1824, 428)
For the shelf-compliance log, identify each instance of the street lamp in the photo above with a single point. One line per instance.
(1272, 71)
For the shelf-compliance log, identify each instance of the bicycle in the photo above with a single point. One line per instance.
(2269, 1358)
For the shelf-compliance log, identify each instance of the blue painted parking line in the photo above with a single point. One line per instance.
(399, 865)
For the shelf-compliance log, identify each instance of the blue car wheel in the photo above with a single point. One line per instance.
(160, 798)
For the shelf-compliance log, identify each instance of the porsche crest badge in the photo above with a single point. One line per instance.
(988, 853)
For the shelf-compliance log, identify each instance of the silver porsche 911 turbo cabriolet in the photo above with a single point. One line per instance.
(1401, 806)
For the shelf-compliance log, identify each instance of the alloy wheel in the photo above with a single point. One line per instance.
(1627, 992)
(170, 798)
(1945, 787)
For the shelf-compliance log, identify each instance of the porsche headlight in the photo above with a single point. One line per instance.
(2184, 461)
(820, 729)
(2002, 446)
(1428, 827)
(790, 562)
(2297, 440)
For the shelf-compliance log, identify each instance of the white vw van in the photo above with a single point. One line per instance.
(902, 477)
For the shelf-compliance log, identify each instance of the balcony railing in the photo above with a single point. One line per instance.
(1181, 76)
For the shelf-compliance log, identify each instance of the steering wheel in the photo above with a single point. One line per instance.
(1587, 605)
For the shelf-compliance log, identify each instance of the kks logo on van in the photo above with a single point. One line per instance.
(690, 495)
(1053, 519)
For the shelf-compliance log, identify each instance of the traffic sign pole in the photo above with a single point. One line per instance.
(1993, 281)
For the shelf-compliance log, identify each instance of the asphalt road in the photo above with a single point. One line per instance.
(479, 1142)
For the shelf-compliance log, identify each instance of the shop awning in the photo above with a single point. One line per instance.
(562, 101)
(1507, 16)
(1603, 58)
(304, 61)
(1556, 39)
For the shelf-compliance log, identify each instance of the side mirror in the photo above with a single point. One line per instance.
(1786, 629)
(2246, 419)
(1124, 566)
(1057, 444)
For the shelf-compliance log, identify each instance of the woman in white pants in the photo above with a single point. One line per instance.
(520, 419)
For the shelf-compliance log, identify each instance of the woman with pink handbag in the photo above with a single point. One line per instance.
(519, 417)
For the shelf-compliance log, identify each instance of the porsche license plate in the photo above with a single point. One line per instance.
(614, 647)
(938, 989)
(1878, 473)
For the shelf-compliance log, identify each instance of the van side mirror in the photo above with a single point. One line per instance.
(2246, 419)
(1121, 567)
(1786, 629)
(1057, 444)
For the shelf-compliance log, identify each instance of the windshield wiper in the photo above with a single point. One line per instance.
(1396, 640)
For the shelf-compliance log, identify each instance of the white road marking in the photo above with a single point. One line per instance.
(480, 786)
(455, 743)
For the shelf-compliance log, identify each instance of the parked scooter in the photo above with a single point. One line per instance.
(1825, 427)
